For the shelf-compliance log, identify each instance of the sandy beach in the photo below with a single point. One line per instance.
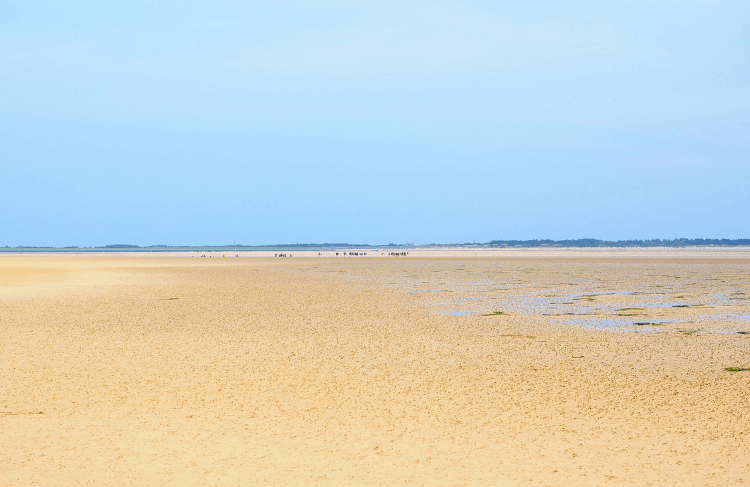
(506, 368)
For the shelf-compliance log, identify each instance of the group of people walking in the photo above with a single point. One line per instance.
(400, 254)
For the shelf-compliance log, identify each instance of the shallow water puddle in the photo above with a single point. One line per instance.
(620, 325)
(456, 313)
(599, 322)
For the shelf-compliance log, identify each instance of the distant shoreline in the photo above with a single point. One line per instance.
(694, 252)
(546, 244)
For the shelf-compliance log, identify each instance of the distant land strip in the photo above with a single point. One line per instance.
(545, 243)
(186, 248)
(592, 242)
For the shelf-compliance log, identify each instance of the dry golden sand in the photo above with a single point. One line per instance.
(352, 371)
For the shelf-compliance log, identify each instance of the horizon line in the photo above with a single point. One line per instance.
(531, 243)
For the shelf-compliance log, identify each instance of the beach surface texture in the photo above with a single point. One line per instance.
(438, 368)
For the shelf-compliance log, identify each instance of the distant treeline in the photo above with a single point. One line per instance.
(188, 247)
(581, 242)
(240, 246)
(592, 242)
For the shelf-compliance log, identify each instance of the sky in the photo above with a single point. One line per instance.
(263, 122)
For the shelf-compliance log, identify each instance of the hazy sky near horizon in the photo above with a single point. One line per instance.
(186, 122)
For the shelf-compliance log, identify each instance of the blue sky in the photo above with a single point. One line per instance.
(268, 122)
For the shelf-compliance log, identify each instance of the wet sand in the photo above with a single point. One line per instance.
(604, 369)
